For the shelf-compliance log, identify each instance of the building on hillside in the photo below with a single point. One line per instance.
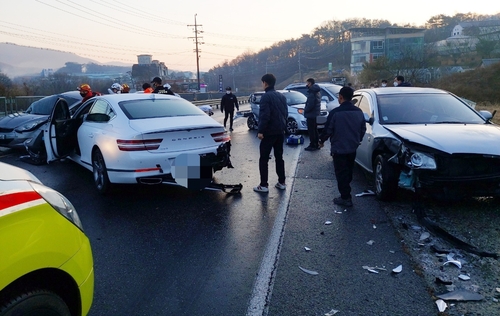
(368, 44)
(482, 29)
(46, 72)
(146, 69)
(489, 61)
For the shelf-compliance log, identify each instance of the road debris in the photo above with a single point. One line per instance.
(424, 236)
(307, 249)
(464, 277)
(370, 242)
(328, 223)
(455, 262)
(366, 192)
(461, 295)
(373, 269)
(311, 272)
(441, 305)
(398, 269)
(332, 312)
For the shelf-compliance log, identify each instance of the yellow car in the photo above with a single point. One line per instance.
(46, 264)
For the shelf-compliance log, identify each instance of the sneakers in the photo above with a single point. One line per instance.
(261, 189)
(230, 129)
(281, 186)
(342, 202)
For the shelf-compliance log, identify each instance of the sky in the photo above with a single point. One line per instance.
(107, 30)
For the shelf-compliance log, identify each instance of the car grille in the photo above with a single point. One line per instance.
(6, 130)
(467, 166)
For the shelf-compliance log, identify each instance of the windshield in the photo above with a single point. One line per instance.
(152, 108)
(293, 97)
(425, 109)
(45, 105)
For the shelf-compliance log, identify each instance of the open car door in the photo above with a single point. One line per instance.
(59, 132)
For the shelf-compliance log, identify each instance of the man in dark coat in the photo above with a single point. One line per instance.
(272, 125)
(311, 112)
(159, 88)
(399, 81)
(345, 126)
(227, 103)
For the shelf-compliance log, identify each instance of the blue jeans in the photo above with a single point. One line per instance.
(274, 142)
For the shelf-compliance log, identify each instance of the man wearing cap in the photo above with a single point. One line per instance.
(227, 103)
(159, 88)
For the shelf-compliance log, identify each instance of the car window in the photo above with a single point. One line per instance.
(425, 109)
(151, 108)
(293, 97)
(332, 90)
(43, 106)
(255, 98)
(102, 107)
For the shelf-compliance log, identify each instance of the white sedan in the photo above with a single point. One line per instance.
(141, 138)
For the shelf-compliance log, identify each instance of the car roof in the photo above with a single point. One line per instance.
(401, 90)
(301, 84)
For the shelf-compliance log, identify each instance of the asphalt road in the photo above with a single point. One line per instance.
(163, 250)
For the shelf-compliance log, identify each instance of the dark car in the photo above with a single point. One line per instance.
(430, 141)
(16, 128)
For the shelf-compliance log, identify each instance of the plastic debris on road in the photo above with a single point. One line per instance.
(441, 305)
(311, 272)
(461, 295)
(455, 262)
(332, 312)
(328, 223)
(367, 192)
(424, 236)
(373, 269)
(464, 277)
(398, 269)
(370, 242)
(307, 249)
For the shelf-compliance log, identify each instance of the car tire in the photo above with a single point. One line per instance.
(35, 303)
(100, 172)
(385, 179)
(251, 122)
(291, 126)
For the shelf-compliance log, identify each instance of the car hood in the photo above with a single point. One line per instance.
(452, 138)
(12, 121)
(9, 172)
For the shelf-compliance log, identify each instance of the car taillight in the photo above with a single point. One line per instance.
(221, 137)
(138, 145)
(300, 111)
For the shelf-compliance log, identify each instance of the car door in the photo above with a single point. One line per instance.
(59, 134)
(93, 128)
(364, 151)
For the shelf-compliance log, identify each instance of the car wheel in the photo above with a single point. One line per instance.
(251, 122)
(386, 179)
(291, 126)
(100, 172)
(35, 303)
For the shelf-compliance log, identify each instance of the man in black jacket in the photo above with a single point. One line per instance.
(272, 124)
(159, 88)
(345, 126)
(227, 103)
(311, 112)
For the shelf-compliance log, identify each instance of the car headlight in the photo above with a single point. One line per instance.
(300, 111)
(419, 160)
(59, 202)
(30, 126)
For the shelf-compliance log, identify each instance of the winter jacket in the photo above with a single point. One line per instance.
(313, 103)
(228, 102)
(273, 113)
(345, 126)
(163, 90)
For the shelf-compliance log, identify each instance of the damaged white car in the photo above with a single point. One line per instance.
(430, 141)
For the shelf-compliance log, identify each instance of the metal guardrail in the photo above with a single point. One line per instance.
(216, 102)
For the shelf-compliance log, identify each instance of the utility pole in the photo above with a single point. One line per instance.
(197, 51)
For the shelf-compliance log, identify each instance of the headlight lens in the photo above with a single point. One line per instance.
(30, 126)
(421, 161)
(59, 202)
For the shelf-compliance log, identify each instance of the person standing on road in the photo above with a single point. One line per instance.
(399, 81)
(159, 88)
(345, 127)
(227, 103)
(272, 125)
(311, 112)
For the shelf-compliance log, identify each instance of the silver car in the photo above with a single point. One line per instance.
(428, 140)
(296, 102)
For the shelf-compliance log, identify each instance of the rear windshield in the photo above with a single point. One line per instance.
(152, 108)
